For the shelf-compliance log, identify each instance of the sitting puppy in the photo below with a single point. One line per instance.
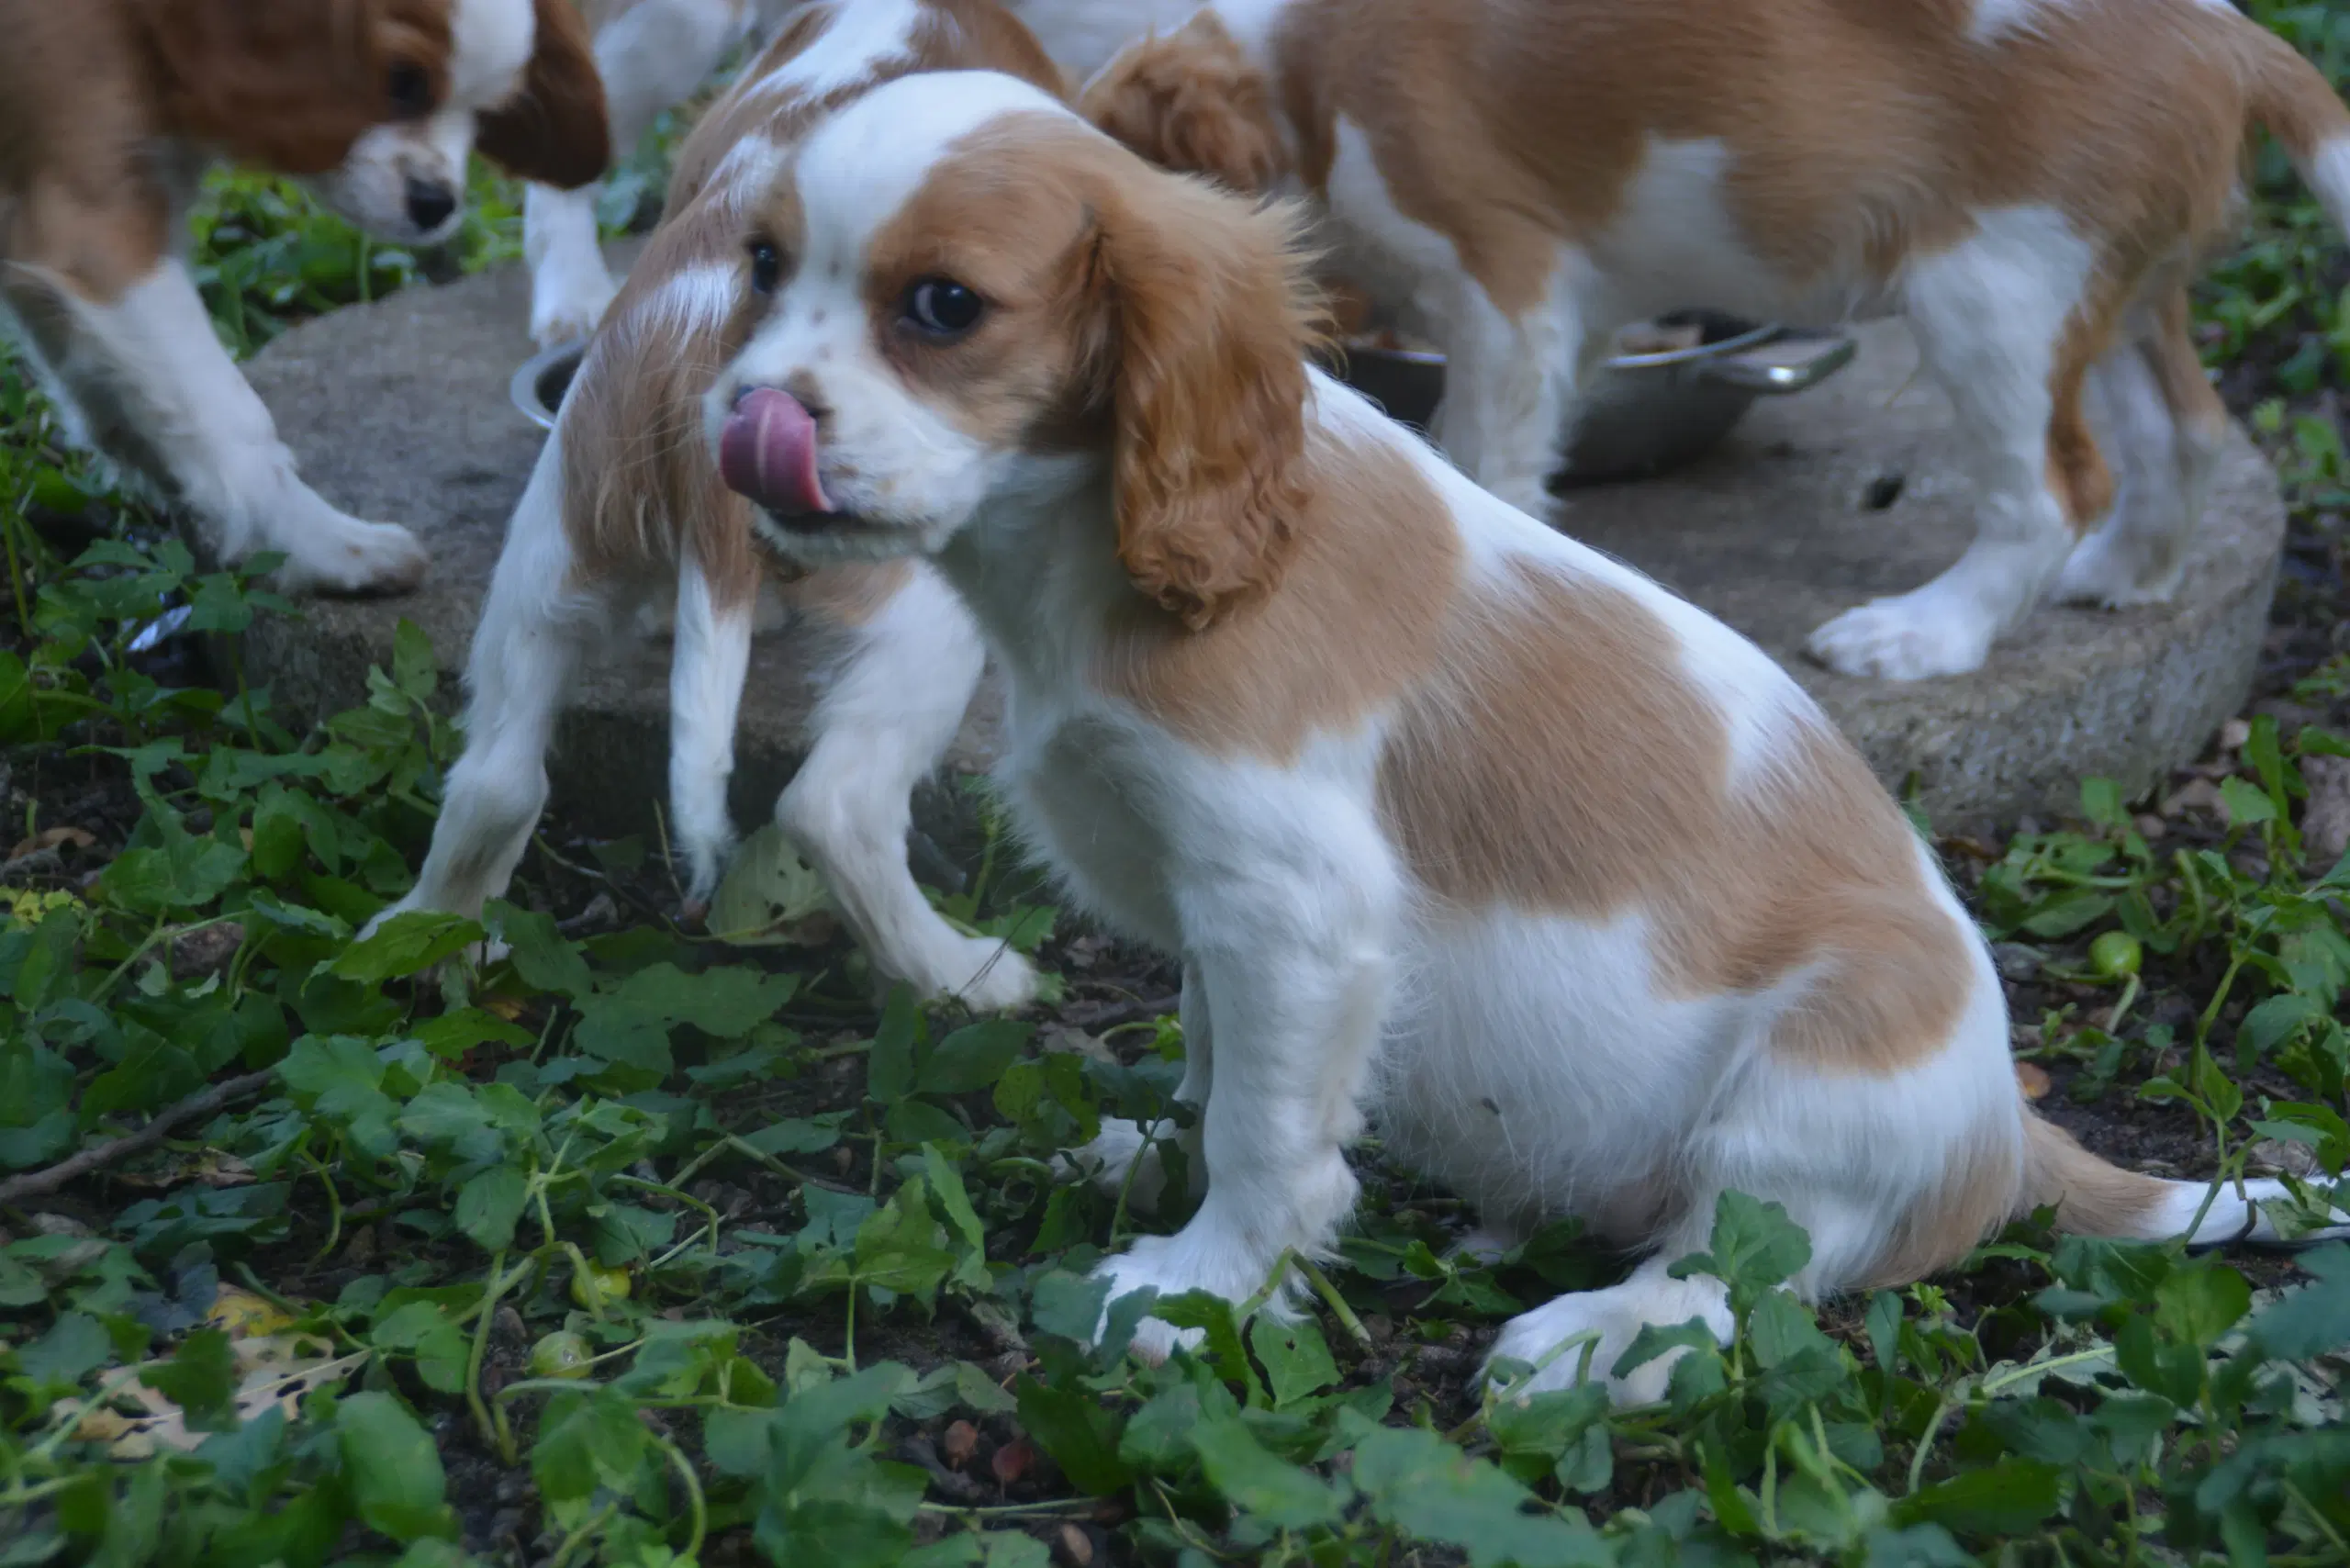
(1448, 817)
(110, 111)
(2030, 181)
(653, 55)
(625, 502)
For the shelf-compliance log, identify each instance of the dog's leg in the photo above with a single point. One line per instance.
(1508, 385)
(2005, 321)
(535, 630)
(706, 667)
(652, 57)
(1288, 934)
(887, 718)
(157, 393)
(1125, 1146)
(2168, 428)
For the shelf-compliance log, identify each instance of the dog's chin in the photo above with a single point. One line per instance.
(820, 539)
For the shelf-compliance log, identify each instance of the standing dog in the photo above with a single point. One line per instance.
(110, 111)
(652, 55)
(1443, 813)
(2030, 181)
(625, 502)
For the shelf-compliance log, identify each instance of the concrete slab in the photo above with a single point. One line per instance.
(398, 411)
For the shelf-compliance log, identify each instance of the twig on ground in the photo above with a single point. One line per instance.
(1119, 1013)
(42, 1182)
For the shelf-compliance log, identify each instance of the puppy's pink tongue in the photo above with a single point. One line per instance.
(768, 452)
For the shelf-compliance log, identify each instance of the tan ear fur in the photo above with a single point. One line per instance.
(1212, 314)
(556, 129)
(284, 85)
(1192, 102)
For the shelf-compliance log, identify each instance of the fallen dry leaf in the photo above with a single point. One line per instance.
(2033, 1079)
(51, 839)
(1011, 1462)
(2233, 733)
(1075, 1546)
(961, 1441)
(278, 1371)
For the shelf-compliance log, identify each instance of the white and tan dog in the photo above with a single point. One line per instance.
(625, 505)
(110, 111)
(1448, 817)
(2032, 182)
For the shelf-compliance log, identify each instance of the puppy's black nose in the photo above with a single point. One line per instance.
(428, 204)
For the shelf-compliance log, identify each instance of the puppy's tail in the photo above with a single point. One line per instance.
(2287, 94)
(2095, 1198)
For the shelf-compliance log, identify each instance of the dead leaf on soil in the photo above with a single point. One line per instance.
(277, 1370)
(2032, 1079)
(51, 839)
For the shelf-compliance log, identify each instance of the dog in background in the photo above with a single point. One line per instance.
(109, 112)
(625, 504)
(2030, 182)
(1447, 816)
(653, 55)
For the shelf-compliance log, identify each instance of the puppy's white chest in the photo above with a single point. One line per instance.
(1080, 794)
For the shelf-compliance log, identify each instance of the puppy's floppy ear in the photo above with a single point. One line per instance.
(1210, 315)
(554, 130)
(1192, 102)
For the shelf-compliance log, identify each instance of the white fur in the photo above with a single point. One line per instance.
(707, 664)
(538, 628)
(1988, 313)
(891, 708)
(1995, 20)
(1534, 1061)
(145, 381)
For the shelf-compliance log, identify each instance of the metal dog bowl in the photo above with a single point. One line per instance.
(1643, 413)
(539, 385)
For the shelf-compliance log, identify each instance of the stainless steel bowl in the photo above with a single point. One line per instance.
(539, 385)
(1643, 413)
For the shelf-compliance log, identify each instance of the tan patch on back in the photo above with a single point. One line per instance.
(1562, 762)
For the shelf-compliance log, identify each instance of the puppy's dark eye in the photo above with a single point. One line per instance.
(410, 87)
(767, 267)
(942, 307)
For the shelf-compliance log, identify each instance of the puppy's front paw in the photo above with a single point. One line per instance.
(2107, 571)
(348, 557)
(1910, 637)
(987, 977)
(569, 313)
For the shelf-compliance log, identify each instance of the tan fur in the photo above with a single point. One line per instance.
(95, 95)
(1356, 622)
(638, 477)
(1587, 777)
(2092, 1197)
(553, 129)
(1860, 133)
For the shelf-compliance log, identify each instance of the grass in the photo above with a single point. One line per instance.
(636, 1249)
